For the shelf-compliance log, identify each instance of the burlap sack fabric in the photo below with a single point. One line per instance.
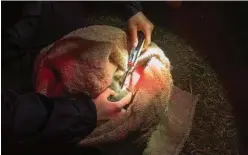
(89, 60)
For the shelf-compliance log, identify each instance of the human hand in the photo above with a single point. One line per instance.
(107, 109)
(139, 22)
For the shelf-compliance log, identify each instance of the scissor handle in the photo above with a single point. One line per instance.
(135, 52)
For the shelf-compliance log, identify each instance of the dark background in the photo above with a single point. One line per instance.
(218, 30)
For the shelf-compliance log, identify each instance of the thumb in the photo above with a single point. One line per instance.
(133, 33)
(125, 101)
(108, 92)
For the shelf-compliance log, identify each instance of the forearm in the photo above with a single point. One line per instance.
(34, 120)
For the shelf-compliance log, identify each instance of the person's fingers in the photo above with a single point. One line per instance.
(108, 92)
(148, 33)
(133, 33)
(124, 101)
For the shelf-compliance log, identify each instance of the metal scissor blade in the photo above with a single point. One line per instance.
(124, 79)
(134, 54)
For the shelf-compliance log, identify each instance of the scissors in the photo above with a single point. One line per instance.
(133, 57)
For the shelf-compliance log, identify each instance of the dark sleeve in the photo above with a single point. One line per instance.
(18, 38)
(17, 58)
(36, 123)
(131, 8)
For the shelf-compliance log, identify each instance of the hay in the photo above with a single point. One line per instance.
(213, 130)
